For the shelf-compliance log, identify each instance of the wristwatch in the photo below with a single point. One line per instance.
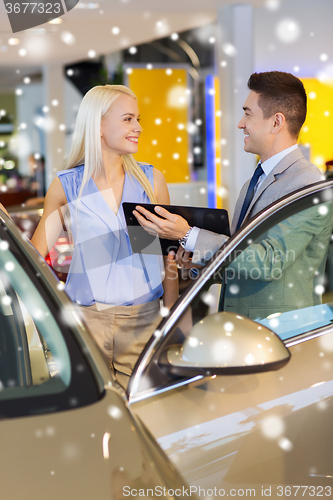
(184, 239)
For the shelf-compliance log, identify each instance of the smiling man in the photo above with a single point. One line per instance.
(274, 113)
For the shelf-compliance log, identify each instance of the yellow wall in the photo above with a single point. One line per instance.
(317, 130)
(163, 104)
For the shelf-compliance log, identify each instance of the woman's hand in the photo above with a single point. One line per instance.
(183, 259)
(171, 227)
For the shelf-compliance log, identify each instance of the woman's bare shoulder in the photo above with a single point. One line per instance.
(55, 196)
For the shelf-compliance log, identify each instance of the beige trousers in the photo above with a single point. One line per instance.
(122, 332)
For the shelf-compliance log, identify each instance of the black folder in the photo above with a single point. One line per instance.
(212, 219)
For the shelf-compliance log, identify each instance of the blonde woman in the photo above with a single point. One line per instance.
(118, 292)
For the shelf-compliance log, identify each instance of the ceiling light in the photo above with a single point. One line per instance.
(115, 30)
(91, 54)
(67, 37)
(13, 41)
(22, 52)
(57, 20)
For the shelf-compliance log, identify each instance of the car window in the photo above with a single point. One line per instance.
(280, 279)
(41, 367)
(32, 343)
(279, 275)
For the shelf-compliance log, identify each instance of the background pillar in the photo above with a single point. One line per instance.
(234, 65)
(55, 130)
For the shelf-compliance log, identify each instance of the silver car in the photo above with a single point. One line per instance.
(235, 385)
(66, 429)
(244, 407)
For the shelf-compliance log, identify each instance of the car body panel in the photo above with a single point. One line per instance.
(90, 452)
(263, 428)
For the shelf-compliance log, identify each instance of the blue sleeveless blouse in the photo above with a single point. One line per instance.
(103, 267)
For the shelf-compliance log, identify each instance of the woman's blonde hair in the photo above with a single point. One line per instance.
(86, 144)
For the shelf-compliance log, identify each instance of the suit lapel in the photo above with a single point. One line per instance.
(285, 163)
(238, 206)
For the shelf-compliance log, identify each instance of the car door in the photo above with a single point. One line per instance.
(243, 427)
(65, 428)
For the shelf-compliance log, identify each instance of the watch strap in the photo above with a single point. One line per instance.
(184, 239)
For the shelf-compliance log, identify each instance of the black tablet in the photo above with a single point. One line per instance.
(212, 219)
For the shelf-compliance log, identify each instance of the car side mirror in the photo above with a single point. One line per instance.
(223, 344)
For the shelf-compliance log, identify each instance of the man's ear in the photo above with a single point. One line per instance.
(278, 122)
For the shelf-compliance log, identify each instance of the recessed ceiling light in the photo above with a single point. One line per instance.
(13, 41)
(57, 20)
(67, 37)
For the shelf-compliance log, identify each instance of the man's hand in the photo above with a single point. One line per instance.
(171, 227)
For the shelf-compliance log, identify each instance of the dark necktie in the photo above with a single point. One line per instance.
(250, 193)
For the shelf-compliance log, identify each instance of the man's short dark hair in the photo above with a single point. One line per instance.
(281, 92)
